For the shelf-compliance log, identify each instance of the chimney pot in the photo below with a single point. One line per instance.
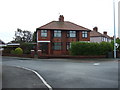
(61, 18)
(105, 32)
(95, 29)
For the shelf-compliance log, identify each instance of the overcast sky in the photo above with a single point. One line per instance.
(31, 14)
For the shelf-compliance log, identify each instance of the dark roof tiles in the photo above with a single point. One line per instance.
(98, 34)
(66, 25)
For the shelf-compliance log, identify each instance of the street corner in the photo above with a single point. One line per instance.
(14, 77)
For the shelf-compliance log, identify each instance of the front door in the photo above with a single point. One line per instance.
(44, 47)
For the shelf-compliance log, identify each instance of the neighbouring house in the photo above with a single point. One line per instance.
(2, 44)
(96, 36)
(55, 37)
(9, 46)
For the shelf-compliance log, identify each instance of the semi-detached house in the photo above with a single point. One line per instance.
(98, 37)
(55, 37)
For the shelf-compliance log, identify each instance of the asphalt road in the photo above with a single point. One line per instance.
(63, 73)
(19, 78)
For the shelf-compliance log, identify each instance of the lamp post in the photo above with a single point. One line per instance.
(114, 30)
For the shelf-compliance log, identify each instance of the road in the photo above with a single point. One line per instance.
(63, 73)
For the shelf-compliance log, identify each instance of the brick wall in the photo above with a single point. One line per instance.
(64, 39)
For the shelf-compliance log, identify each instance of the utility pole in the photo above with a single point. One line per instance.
(114, 30)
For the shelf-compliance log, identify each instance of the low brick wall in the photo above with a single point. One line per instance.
(23, 55)
(68, 56)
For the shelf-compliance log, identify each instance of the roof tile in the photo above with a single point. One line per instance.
(66, 25)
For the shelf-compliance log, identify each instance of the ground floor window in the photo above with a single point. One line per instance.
(57, 46)
(68, 44)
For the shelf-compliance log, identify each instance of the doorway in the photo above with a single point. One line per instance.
(44, 47)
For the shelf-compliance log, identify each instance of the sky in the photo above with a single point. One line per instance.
(31, 14)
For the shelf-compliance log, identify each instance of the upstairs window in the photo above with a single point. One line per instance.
(71, 34)
(57, 33)
(57, 46)
(84, 34)
(43, 33)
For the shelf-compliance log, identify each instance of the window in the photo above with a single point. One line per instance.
(105, 39)
(102, 38)
(57, 33)
(71, 34)
(84, 34)
(43, 33)
(57, 46)
(68, 45)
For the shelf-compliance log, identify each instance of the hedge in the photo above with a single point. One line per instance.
(27, 47)
(85, 48)
(17, 51)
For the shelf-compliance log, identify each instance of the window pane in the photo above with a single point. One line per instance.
(57, 33)
(57, 46)
(68, 45)
(72, 33)
(84, 34)
(43, 33)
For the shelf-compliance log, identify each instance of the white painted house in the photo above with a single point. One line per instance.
(96, 36)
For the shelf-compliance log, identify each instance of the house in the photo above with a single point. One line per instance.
(2, 44)
(96, 36)
(55, 37)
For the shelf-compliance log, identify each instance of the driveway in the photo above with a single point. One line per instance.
(63, 73)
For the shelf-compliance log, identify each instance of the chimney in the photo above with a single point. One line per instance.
(105, 32)
(95, 29)
(61, 18)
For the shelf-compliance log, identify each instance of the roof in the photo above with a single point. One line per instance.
(65, 25)
(13, 44)
(1, 42)
(98, 34)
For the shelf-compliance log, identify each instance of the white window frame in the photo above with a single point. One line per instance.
(84, 34)
(43, 33)
(57, 33)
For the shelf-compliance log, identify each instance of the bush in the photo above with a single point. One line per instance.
(18, 51)
(12, 51)
(8, 49)
(84, 48)
(26, 47)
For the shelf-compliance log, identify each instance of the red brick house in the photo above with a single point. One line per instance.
(55, 37)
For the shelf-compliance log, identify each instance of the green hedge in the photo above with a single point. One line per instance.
(27, 47)
(84, 48)
(17, 51)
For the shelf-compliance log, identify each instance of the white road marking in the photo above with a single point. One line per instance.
(43, 80)
(96, 64)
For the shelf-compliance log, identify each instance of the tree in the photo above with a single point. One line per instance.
(34, 37)
(23, 36)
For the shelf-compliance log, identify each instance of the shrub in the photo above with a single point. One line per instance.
(12, 51)
(18, 51)
(84, 48)
(8, 49)
(26, 47)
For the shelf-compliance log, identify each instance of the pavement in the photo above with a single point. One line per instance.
(64, 73)
(19, 78)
